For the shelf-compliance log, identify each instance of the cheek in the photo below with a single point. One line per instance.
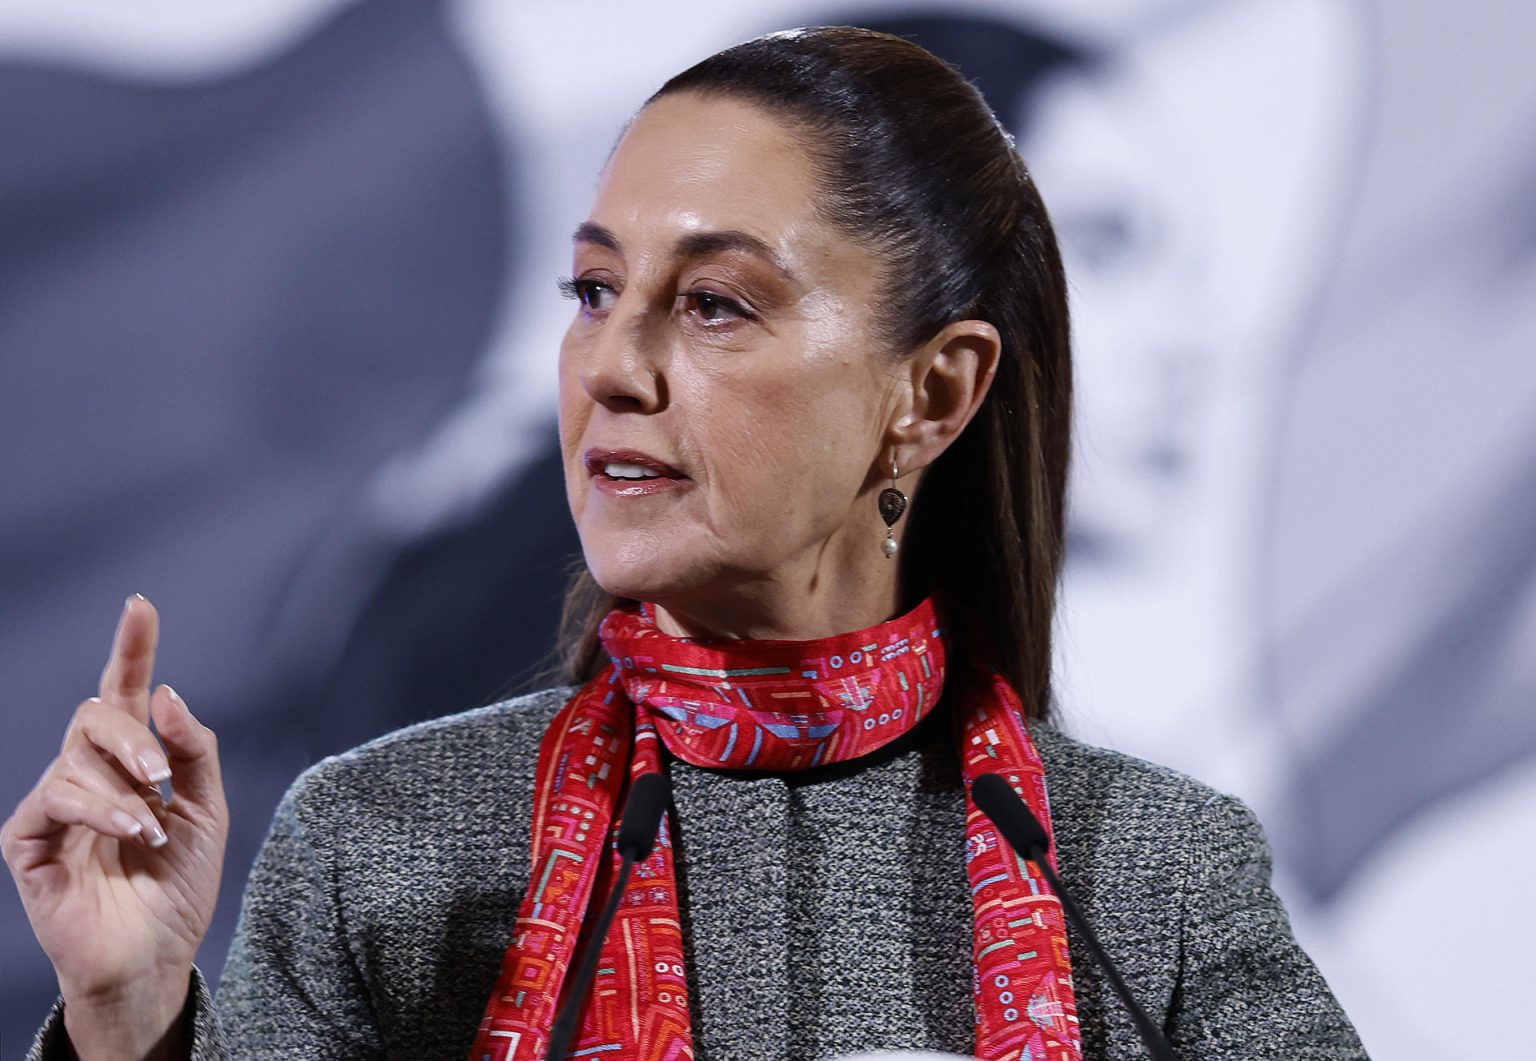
(788, 450)
(575, 411)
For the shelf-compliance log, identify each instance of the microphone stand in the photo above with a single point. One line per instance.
(648, 798)
(996, 799)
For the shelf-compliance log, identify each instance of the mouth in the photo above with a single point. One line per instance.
(629, 472)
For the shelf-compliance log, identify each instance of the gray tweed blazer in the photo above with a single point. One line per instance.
(825, 915)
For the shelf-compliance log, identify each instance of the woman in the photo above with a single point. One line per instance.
(801, 311)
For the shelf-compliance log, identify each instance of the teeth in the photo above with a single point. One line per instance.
(628, 471)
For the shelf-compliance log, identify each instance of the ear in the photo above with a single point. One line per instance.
(946, 381)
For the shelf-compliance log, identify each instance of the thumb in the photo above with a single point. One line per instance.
(190, 746)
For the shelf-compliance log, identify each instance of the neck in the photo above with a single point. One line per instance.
(777, 613)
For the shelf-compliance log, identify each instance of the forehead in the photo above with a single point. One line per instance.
(692, 163)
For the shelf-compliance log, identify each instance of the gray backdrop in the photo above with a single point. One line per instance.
(277, 332)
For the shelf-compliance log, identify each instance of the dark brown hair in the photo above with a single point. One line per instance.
(914, 165)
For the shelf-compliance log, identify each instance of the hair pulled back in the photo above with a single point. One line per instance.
(913, 165)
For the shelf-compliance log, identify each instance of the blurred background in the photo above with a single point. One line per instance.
(278, 325)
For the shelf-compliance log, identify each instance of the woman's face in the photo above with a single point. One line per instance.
(723, 396)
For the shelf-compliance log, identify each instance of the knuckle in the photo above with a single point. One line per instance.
(75, 760)
(51, 798)
(78, 721)
(109, 728)
(137, 745)
(90, 721)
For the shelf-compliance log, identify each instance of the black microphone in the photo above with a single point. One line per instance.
(642, 816)
(996, 799)
(648, 798)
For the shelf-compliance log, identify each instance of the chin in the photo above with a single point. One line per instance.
(646, 571)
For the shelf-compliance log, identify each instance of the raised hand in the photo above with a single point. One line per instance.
(118, 883)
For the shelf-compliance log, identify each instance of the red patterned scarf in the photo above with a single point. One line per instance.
(759, 705)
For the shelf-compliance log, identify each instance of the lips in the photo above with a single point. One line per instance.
(631, 472)
(629, 463)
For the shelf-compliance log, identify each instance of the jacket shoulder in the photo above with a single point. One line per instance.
(1111, 789)
(1135, 836)
(464, 758)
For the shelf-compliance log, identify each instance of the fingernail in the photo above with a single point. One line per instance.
(127, 822)
(157, 837)
(155, 768)
(128, 603)
(177, 700)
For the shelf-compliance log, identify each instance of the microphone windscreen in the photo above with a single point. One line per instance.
(648, 797)
(996, 799)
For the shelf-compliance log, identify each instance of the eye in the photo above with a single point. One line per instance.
(713, 308)
(594, 295)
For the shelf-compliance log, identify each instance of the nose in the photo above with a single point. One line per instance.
(617, 371)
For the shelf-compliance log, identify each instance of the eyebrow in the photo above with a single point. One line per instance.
(592, 232)
(693, 245)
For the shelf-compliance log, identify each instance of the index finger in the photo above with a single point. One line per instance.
(125, 681)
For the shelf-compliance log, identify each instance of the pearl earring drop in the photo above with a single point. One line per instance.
(892, 504)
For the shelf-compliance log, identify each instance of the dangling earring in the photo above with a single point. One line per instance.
(892, 504)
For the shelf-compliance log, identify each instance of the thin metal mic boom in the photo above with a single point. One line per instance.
(996, 799)
(648, 798)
